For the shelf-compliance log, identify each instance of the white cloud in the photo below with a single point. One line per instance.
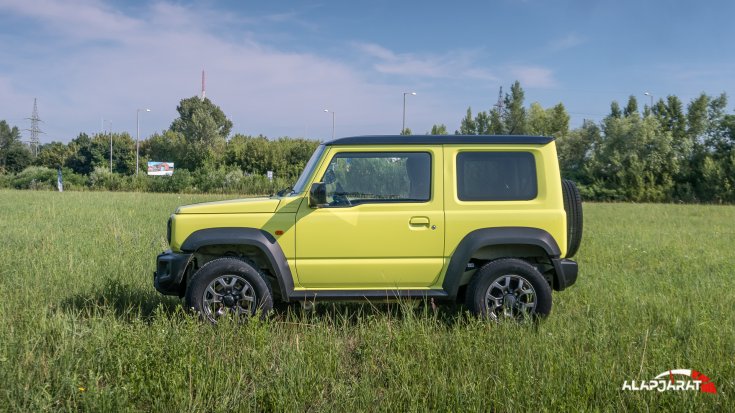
(80, 18)
(90, 61)
(569, 41)
(105, 65)
(532, 76)
(455, 65)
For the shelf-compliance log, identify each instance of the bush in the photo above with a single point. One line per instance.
(224, 180)
(35, 177)
(41, 178)
(180, 181)
(5, 180)
(208, 179)
(102, 179)
(234, 181)
(139, 183)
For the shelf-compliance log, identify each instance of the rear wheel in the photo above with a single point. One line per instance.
(508, 288)
(573, 208)
(228, 287)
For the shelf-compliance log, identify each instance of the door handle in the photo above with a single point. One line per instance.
(419, 221)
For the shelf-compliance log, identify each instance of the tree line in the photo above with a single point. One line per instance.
(663, 153)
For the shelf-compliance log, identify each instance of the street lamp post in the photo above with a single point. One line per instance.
(332, 112)
(110, 132)
(137, 138)
(651, 96)
(404, 109)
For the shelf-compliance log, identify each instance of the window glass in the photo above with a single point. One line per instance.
(496, 176)
(299, 186)
(355, 178)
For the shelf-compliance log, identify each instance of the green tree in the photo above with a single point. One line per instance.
(670, 114)
(537, 120)
(467, 126)
(716, 137)
(86, 154)
(53, 155)
(123, 152)
(615, 111)
(558, 121)
(575, 150)
(14, 156)
(257, 155)
(553, 121)
(17, 158)
(713, 164)
(697, 121)
(634, 161)
(170, 146)
(201, 121)
(482, 123)
(631, 109)
(439, 130)
(205, 129)
(514, 113)
(496, 123)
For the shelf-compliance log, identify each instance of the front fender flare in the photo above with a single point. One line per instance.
(258, 238)
(484, 237)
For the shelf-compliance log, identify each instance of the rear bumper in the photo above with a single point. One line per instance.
(566, 273)
(169, 274)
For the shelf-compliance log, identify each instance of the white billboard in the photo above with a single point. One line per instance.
(161, 168)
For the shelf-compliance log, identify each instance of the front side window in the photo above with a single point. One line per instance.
(354, 178)
(496, 176)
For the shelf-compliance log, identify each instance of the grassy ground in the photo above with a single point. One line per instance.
(81, 327)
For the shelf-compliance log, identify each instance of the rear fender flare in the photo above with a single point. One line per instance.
(484, 237)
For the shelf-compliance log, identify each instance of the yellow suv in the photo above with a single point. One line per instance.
(486, 220)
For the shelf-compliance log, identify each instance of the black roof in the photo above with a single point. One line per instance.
(441, 139)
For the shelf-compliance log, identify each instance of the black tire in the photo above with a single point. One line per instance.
(528, 294)
(238, 289)
(573, 208)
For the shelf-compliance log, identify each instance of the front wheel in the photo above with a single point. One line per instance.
(228, 287)
(509, 288)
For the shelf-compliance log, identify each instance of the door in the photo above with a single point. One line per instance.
(383, 225)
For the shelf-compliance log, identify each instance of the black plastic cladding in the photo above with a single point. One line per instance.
(484, 237)
(246, 236)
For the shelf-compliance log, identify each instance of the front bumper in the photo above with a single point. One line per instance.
(169, 275)
(566, 273)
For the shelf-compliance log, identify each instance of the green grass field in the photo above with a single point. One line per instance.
(82, 329)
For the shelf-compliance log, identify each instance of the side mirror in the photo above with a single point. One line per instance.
(318, 195)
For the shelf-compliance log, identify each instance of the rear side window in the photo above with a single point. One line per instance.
(496, 176)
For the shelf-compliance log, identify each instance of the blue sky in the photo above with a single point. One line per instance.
(273, 67)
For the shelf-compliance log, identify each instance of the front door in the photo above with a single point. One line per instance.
(383, 226)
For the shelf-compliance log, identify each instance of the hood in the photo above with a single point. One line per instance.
(235, 206)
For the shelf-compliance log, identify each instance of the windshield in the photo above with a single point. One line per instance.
(308, 169)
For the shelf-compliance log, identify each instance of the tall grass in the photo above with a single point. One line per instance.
(81, 327)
